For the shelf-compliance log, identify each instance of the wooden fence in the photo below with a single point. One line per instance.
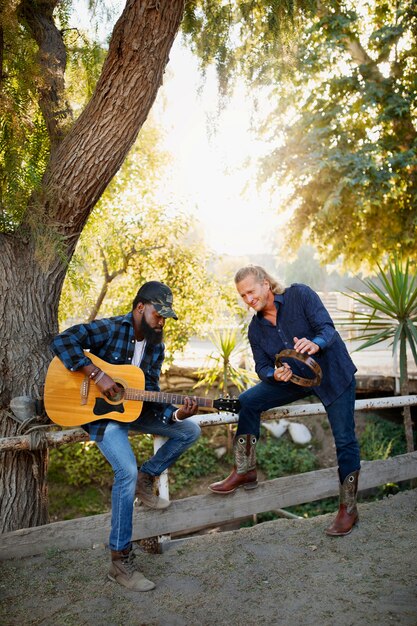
(187, 515)
(191, 513)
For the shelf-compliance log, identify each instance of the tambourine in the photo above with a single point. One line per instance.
(311, 363)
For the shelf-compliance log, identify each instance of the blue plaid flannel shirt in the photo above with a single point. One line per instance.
(113, 340)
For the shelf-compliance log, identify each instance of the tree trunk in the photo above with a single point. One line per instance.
(29, 298)
(408, 427)
(33, 260)
(408, 423)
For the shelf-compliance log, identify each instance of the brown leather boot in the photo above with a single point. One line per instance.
(347, 515)
(146, 494)
(123, 571)
(244, 471)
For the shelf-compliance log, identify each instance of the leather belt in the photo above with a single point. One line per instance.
(311, 363)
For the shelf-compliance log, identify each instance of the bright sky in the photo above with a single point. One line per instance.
(209, 176)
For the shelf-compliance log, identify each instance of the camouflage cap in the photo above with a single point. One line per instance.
(160, 295)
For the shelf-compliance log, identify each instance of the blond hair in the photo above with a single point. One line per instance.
(260, 275)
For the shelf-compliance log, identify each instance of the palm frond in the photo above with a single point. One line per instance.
(373, 339)
(392, 314)
(411, 333)
(382, 304)
(219, 369)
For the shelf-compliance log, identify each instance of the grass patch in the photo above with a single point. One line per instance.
(382, 439)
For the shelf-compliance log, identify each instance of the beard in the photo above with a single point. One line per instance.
(152, 336)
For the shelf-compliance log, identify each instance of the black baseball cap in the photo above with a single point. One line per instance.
(160, 295)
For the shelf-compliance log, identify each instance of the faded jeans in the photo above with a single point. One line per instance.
(341, 415)
(116, 447)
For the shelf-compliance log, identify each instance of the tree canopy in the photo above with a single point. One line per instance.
(343, 92)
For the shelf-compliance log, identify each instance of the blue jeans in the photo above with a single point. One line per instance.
(341, 415)
(116, 447)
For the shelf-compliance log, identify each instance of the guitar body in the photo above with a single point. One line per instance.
(68, 402)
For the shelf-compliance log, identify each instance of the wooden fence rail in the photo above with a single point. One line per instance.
(197, 511)
(57, 438)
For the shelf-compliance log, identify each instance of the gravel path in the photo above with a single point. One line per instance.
(284, 572)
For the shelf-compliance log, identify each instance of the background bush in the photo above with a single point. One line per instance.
(282, 457)
(82, 464)
(382, 439)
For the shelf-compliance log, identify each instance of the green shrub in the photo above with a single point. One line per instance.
(197, 461)
(69, 502)
(78, 464)
(382, 439)
(83, 464)
(281, 457)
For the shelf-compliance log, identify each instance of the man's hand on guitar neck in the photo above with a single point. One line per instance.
(189, 408)
(104, 382)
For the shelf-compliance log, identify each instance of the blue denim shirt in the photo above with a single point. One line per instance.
(301, 313)
(113, 340)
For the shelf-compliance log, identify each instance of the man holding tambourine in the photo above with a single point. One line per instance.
(291, 325)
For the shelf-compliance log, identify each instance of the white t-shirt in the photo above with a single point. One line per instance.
(139, 352)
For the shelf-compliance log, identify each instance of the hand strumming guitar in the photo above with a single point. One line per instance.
(105, 383)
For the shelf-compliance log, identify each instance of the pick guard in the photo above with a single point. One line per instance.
(102, 407)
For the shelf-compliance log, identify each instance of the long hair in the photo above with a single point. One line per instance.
(260, 275)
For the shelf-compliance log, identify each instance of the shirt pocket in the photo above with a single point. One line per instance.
(115, 357)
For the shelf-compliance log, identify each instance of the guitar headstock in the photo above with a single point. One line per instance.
(230, 405)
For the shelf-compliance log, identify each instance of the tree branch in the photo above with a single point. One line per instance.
(94, 149)
(1, 55)
(108, 278)
(353, 46)
(38, 17)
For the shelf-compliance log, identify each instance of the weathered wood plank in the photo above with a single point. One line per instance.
(204, 510)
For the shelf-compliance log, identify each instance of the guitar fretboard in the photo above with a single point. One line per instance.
(160, 396)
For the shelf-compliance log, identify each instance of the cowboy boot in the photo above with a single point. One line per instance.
(123, 571)
(347, 515)
(244, 471)
(146, 494)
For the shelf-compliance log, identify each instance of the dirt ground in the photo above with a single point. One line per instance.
(281, 572)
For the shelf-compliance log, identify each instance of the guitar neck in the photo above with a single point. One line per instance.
(143, 395)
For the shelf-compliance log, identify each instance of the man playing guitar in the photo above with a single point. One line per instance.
(132, 339)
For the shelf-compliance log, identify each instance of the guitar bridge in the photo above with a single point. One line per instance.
(85, 385)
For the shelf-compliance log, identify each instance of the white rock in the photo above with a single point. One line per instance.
(277, 429)
(299, 433)
(220, 452)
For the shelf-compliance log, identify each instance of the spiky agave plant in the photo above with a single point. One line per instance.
(219, 368)
(391, 315)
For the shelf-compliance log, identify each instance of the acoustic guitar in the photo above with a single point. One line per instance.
(71, 399)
